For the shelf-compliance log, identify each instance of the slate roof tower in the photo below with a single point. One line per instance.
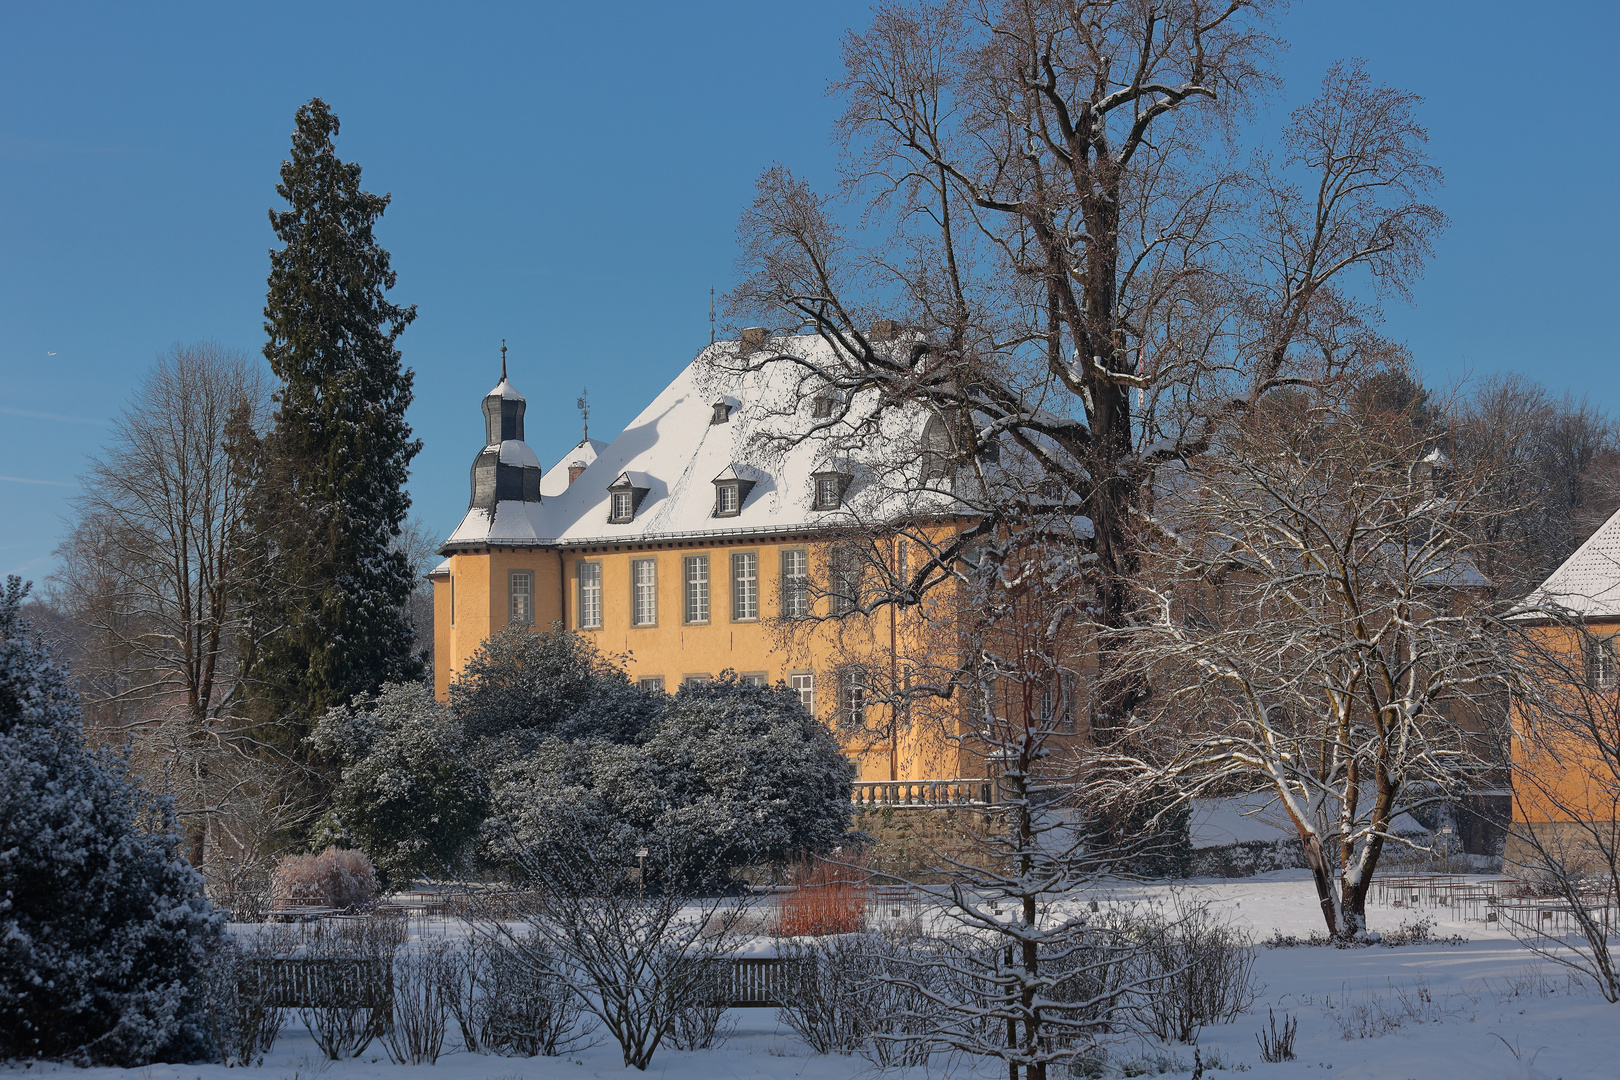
(505, 470)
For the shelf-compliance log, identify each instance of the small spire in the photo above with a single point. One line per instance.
(584, 407)
(503, 359)
(711, 314)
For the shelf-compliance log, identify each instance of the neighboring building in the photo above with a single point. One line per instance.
(681, 547)
(1565, 790)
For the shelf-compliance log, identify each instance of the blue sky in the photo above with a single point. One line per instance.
(568, 177)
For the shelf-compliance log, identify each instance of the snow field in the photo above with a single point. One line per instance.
(1480, 1010)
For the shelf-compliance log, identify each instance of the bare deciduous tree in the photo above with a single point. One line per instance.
(1096, 274)
(1320, 631)
(152, 572)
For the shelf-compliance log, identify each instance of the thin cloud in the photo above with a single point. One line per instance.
(51, 416)
(45, 483)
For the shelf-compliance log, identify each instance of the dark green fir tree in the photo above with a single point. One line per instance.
(329, 614)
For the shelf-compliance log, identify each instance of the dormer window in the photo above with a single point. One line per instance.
(731, 490)
(822, 407)
(624, 497)
(722, 413)
(725, 500)
(830, 487)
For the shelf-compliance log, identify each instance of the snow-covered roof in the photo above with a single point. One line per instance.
(555, 479)
(440, 570)
(1587, 585)
(506, 391)
(675, 451)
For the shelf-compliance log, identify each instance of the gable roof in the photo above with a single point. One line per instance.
(1587, 585)
(675, 451)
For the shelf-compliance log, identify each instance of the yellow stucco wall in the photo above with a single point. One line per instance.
(1557, 776)
(674, 649)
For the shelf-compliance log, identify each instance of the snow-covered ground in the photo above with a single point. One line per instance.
(1480, 1010)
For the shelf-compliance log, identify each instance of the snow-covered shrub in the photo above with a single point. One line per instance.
(425, 980)
(521, 687)
(242, 1020)
(408, 796)
(351, 963)
(1194, 970)
(104, 930)
(510, 1000)
(337, 877)
(861, 993)
(730, 774)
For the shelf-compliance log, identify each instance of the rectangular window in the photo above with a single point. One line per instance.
(520, 587)
(643, 592)
(621, 506)
(696, 574)
(804, 684)
(1600, 665)
(590, 595)
(695, 680)
(846, 579)
(854, 688)
(753, 678)
(828, 493)
(745, 585)
(903, 564)
(651, 683)
(725, 499)
(795, 583)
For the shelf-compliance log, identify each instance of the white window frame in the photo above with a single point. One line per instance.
(804, 684)
(695, 591)
(520, 597)
(588, 579)
(644, 593)
(727, 500)
(651, 682)
(754, 678)
(744, 589)
(622, 506)
(1602, 668)
(829, 494)
(796, 586)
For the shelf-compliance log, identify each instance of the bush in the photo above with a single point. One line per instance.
(731, 774)
(337, 877)
(354, 1011)
(1194, 971)
(409, 796)
(425, 981)
(104, 931)
(504, 1004)
(859, 993)
(824, 898)
(242, 1019)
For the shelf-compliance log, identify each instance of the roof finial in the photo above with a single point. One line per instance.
(584, 413)
(711, 314)
(503, 359)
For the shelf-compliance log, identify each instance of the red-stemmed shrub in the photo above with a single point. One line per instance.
(823, 898)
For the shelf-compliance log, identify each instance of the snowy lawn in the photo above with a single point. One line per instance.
(1477, 1011)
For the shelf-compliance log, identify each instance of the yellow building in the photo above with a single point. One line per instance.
(698, 541)
(1566, 790)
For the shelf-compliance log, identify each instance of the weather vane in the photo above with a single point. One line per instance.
(503, 359)
(584, 412)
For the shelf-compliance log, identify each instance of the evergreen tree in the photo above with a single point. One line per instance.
(330, 475)
(104, 932)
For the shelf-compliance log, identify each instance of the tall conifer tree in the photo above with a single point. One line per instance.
(331, 472)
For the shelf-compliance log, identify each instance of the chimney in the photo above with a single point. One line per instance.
(885, 330)
(753, 338)
(575, 468)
